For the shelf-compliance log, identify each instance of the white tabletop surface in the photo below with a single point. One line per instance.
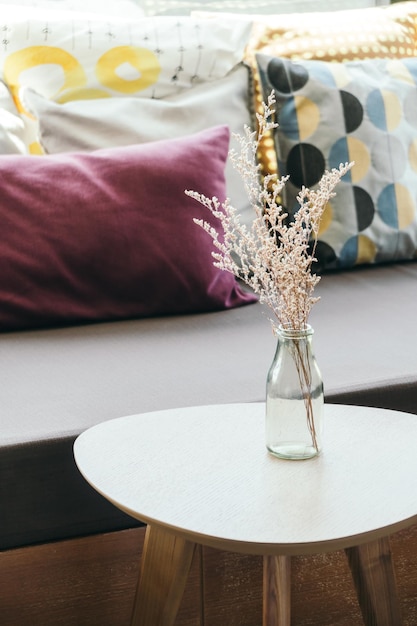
(204, 473)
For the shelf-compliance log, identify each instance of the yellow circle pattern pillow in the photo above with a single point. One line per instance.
(72, 60)
(66, 56)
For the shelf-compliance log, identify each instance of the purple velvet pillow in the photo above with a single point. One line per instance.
(110, 234)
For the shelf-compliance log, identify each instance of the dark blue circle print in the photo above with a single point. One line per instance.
(365, 209)
(285, 76)
(305, 165)
(352, 111)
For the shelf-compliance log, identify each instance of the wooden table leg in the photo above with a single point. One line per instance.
(374, 578)
(277, 591)
(166, 562)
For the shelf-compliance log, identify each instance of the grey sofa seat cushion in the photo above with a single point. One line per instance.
(56, 383)
(366, 336)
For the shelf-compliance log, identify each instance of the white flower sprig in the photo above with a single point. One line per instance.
(274, 257)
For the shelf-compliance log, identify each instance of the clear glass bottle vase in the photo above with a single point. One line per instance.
(294, 397)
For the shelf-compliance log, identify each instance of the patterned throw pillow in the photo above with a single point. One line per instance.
(362, 111)
(350, 35)
(70, 56)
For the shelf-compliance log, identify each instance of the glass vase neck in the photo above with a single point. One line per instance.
(294, 333)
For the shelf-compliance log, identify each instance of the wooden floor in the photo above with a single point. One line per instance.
(91, 582)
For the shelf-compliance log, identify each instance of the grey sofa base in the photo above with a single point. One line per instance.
(56, 383)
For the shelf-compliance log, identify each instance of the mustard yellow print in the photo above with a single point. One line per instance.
(405, 207)
(27, 58)
(83, 94)
(412, 154)
(36, 148)
(340, 74)
(366, 250)
(397, 69)
(308, 116)
(358, 152)
(393, 109)
(112, 64)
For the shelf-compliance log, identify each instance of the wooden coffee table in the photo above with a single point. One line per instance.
(202, 475)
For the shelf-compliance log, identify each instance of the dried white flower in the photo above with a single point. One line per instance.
(274, 257)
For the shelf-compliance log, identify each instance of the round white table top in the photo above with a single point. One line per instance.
(205, 474)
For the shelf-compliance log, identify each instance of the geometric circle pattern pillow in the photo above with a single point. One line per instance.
(65, 56)
(337, 36)
(361, 111)
(70, 55)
